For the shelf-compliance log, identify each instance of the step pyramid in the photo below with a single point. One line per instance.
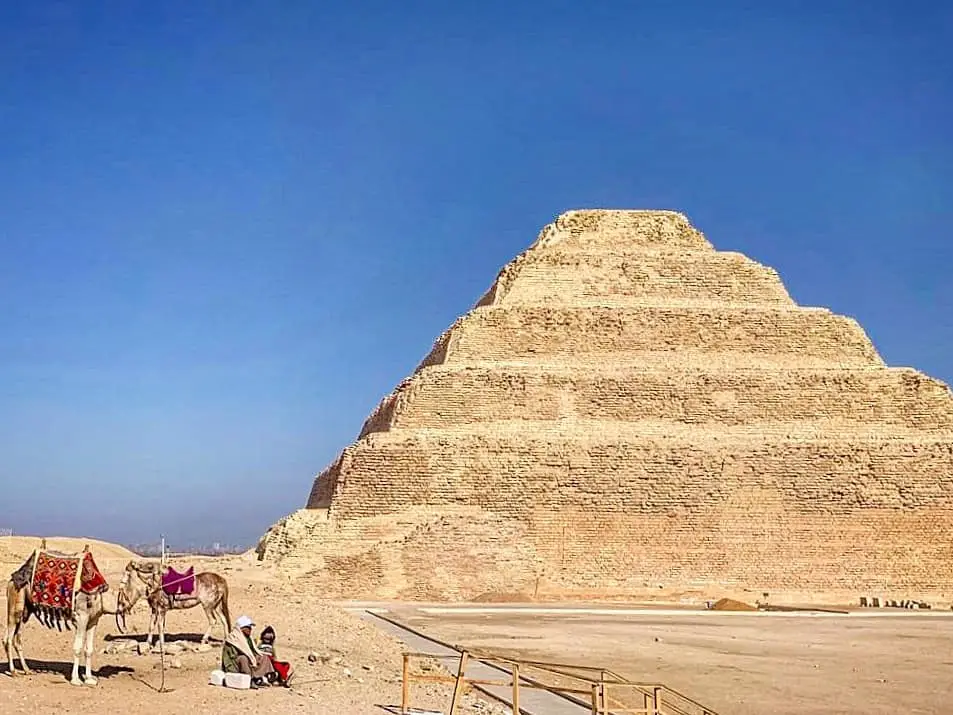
(628, 408)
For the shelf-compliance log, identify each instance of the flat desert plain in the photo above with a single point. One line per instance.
(871, 662)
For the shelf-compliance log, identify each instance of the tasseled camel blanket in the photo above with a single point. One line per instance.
(55, 579)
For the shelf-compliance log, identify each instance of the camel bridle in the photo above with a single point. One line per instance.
(123, 603)
(121, 606)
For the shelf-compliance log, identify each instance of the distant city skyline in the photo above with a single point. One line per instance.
(227, 235)
(151, 547)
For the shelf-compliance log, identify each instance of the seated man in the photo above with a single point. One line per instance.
(239, 654)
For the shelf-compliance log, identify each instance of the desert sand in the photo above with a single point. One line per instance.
(357, 670)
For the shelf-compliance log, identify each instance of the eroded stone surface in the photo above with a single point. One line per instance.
(625, 407)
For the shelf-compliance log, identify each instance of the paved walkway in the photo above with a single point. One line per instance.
(532, 702)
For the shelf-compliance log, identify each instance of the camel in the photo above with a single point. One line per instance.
(144, 579)
(84, 617)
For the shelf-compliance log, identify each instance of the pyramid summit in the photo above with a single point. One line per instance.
(627, 407)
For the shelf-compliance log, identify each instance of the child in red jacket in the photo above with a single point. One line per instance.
(283, 671)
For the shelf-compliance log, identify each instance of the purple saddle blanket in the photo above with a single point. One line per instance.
(178, 584)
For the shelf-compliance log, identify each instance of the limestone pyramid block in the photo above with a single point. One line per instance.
(627, 407)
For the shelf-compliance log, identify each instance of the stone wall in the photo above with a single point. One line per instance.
(628, 408)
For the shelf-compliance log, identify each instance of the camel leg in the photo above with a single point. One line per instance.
(153, 623)
(17, 643)
(90, 645)
(224, 622)
(78, 643)
(210, 615)
(8, 648)
(18, 648)
(11, 639)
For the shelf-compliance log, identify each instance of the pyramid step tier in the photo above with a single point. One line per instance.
(626, 470)
(561, 277)
(453, 395)
(595, 229)
(531, 332)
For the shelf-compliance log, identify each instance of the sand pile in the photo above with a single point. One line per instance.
(730, 604)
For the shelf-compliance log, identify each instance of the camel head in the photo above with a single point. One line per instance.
(132, 587)
(137, 579)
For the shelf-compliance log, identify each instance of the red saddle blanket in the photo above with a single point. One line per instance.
(56, 578)
(179, 584)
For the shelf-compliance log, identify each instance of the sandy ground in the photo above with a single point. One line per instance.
(358, 671)
(738, 664)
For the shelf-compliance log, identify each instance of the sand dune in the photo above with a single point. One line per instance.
(15, 549)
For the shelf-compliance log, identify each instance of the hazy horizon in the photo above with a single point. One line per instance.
(230, 229)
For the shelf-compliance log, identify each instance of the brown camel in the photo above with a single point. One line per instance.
(84, 617)
(144, 579)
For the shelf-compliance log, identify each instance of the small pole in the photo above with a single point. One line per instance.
(405, 686)
(162, 620)
(516, 689)
(595, 699)
(657, 697)
(162, 653)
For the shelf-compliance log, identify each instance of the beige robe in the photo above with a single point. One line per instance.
(258, 665)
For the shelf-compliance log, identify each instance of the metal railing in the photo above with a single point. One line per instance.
(601, 690)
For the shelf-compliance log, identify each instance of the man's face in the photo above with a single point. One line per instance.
(247, 630)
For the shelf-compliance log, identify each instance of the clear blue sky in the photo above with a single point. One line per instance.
(229, 228)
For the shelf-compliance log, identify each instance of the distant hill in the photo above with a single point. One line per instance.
(14, 549)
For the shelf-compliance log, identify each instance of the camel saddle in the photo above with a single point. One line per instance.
(178, 584)
(56, 577)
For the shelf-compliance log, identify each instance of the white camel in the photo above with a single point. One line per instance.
(86, 612)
